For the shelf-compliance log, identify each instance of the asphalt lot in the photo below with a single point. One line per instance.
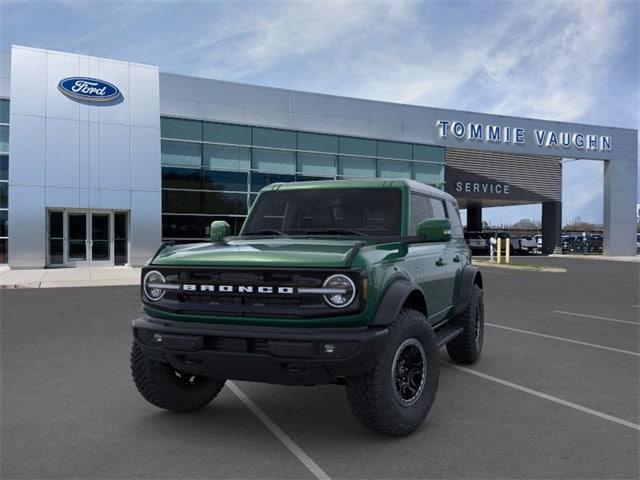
(558, 397)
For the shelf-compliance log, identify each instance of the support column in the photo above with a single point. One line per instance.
(474, 218)
(620, 198)
(551, 227)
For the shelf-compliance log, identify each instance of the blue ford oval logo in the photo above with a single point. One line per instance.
(89, 89)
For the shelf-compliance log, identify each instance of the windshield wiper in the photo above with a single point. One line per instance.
(337, 231)
(268, 231)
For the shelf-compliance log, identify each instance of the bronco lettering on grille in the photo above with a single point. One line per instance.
(265, 289)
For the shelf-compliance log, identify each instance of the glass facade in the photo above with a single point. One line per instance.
(4, 180)
(212, 171)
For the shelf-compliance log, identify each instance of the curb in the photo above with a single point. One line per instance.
(520, 267)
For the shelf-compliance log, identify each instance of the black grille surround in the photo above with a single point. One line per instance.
(236, 304)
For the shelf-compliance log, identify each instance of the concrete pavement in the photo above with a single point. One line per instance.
(69, 277)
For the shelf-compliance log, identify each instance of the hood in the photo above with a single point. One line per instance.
(263, 252)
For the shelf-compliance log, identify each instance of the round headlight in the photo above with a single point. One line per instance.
(150, 285)
(344, 291)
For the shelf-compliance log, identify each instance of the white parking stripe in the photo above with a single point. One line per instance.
(596, 317)
(551, 398)
(562, 339)
(283, 437)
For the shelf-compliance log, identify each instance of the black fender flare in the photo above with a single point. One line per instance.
(467, 279)
(393, 299)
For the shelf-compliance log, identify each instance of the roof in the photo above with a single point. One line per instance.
(412, 185)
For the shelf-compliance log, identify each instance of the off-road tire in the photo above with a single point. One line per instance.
(467, 346)
(373, 396)
(160, 385)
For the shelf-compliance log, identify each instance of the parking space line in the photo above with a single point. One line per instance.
(280, 435)
(563, 339)
(596, 317)
(551, 398)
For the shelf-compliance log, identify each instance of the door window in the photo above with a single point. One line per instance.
(100, 247)
(77, 236)
(419, 212)
(437, 208)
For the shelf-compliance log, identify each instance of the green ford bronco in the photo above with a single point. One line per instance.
(354, 282)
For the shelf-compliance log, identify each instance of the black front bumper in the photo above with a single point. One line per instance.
(289, 356)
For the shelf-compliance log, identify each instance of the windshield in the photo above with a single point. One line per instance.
(358, 212)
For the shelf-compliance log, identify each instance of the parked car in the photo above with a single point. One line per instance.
(477, 242)
(357, 283)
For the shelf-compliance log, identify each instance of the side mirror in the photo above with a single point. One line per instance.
(219, 230)
(435, 229)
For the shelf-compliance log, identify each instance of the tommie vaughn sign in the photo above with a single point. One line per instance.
(478, 132)
(88, 89)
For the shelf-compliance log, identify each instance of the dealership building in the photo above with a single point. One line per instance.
(101, 160)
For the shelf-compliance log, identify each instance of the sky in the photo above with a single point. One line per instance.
(558, 60)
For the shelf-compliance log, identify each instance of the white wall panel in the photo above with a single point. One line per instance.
(62, 197)
(265, 98)
(223, 93)
(144, 97)
(62, 166)
(28, 81)
(145, 155)
(115, 156)
(27, 142)
(28, 227)
(146, 225)
(115, 199)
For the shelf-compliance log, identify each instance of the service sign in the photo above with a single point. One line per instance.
(88, 89)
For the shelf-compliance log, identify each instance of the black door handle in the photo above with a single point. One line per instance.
(457, 259)
(441, 262)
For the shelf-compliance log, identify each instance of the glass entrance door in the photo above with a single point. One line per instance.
(87, 238)
(77, 240)
(100, 241)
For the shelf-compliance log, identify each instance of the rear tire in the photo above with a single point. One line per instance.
(396, 395)
(165, 387)
(467, 346)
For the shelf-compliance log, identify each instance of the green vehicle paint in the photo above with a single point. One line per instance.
(434, 266)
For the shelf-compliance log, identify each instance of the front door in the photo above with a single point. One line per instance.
(87, 238)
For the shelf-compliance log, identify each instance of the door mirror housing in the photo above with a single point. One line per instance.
(219, 229)
(435, 229)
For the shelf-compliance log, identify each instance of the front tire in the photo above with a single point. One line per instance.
(165, 387)
(467, 346)
(396, 395)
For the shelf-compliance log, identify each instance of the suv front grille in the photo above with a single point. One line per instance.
(201, 301)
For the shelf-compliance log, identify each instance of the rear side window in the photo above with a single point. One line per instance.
(456, 223)
(437, 208)
(419, 211)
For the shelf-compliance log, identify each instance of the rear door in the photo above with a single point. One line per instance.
(429, 262)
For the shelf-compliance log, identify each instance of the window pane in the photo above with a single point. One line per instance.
(4, 251)
(217, 180)
(55, 225)
(181, 202)
(4, 167)
(4, 111)
(182, 226)
(275, 161)
(4, 139)
(428, 173)
(419, 211)
(428, 153)
(271, 137)
(357, 167)
(231, 203)
(4, 193)
(179, 153)
(394, 150)
(56, 252)
(456, 225)
(181, 178)
(223, 133)
(317, 164)
(318, 143)
(183, 129)
(358, 146)
(261, 180)
(227, 158)
(393, 169)
(437, 208)
(4, 223)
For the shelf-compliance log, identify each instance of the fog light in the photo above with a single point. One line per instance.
(157, 338)
(329, 348)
